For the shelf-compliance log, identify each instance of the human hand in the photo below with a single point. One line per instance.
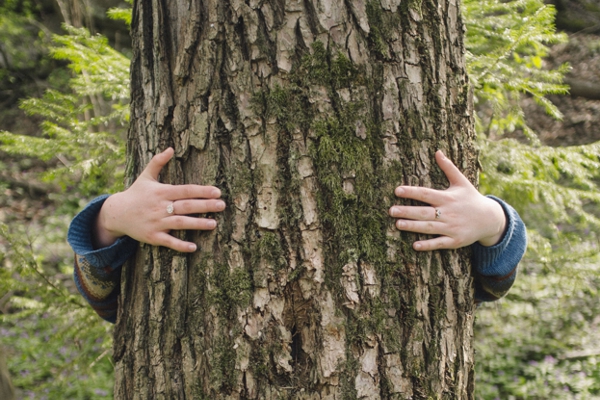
(141, 211)
(460, 215)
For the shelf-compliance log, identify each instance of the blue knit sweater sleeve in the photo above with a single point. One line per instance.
(495, 267)
(97, 271)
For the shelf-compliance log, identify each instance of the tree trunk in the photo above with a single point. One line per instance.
(577, 16)
(7, 391)
(307, 114)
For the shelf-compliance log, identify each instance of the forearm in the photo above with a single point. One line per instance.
(100, 291)
(97, 271)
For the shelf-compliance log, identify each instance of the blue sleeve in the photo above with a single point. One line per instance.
(97, 271)
(495, 267)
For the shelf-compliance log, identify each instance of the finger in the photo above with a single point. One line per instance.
(166, 240)
(158, 162)
(441, 242)
(198, 206)
(425, 195)
(180, 192)
(413, 212)
(428, 227)
(455, 177)
(181, 222)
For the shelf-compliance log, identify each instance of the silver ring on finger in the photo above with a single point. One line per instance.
(438, 213)
(170, 209)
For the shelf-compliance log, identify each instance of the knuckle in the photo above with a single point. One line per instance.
(174, 244)
(151, 239)
(205, 206)
(185, 207)
(429, 227)
(154, 162)
(188, 191)
(162, 190)
(178, 222)
(205, 225)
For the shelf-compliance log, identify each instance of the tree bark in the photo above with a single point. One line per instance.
(307, 114)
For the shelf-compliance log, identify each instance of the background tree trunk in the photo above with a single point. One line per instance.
(306, 114)
(7, 391)
(577, 16)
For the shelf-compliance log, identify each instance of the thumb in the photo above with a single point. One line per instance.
(158, 162)
(455, 177)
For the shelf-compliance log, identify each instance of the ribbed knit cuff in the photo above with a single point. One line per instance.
(502, 258)
(80, 239)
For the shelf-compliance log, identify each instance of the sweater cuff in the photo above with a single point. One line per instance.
(80, 239)
(501, 259)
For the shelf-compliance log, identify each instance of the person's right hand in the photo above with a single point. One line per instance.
(142, 211)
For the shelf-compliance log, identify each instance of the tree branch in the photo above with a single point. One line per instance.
(582, 88)
(33, 189)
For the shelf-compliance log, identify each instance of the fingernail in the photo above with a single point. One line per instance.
(394, 211)
(215, 193)
(417, 246)
(400, 224)
(212, 224)
(399, 191)
(220, 205)
(192, 247)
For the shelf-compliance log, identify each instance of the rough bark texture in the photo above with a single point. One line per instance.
(306, 114)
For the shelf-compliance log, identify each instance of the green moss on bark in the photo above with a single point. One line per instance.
(268, 250)
(231, 289)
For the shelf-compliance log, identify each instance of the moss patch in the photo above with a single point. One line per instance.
(231, 289)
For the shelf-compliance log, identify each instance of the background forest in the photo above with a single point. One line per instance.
(64, 92)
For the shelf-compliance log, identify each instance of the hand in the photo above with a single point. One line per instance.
(141, 211)
(460, 215)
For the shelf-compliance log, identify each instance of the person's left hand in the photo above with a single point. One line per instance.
(460, 215)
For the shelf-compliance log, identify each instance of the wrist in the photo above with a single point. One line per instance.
(497, 224)
(103, 233)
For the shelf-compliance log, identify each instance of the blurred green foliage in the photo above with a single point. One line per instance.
(85, 127)
(506, 42)
(541, 341)
(538, 343)
(57, 346)
(555, 190)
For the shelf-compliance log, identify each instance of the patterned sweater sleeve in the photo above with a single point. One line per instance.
(495, 267)
(97, 271)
